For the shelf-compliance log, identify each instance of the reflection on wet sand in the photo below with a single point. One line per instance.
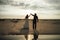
(30, 37)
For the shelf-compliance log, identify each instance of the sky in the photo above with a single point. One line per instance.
(18, 9)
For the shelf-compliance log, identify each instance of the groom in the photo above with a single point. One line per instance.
(35, 20)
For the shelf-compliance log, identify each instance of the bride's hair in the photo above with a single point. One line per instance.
(26, 16)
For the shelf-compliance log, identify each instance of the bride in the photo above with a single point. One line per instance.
(26, 25)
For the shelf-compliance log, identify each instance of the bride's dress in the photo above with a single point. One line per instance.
(26, 25)
(25, 29)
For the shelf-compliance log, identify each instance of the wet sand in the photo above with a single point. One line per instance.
(30, 37)
(44, 26)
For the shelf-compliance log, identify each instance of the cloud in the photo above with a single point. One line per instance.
(55, 4)
(44, 5)
(1, 2)
(57, 7)
(5, 2)
(40, 5)
(25, 5)
(53, 1)
(34, 5)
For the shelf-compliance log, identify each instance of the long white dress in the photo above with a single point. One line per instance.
(25, 29)
(26, 25)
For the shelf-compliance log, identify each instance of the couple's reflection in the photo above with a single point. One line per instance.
(35, 35)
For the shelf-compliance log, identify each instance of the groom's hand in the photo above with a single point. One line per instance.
(32, 14)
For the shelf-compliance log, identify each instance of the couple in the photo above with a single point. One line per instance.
(35, 20)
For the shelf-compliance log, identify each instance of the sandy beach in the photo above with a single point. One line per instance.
(44, 26)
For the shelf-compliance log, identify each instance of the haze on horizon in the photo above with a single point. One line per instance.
(45, 9)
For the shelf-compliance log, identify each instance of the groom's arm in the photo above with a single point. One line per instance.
(32, 14)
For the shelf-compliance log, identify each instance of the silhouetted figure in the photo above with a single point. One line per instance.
(35, 35)
(35, 20)
(26, 26)
(26, 16)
